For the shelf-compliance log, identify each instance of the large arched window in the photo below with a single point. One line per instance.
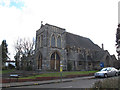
(38, 41)
(53, 41)
(59, 42)
(55, 56)
(41, 41)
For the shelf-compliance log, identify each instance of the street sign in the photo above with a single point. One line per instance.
(61, 67)
(101, 64)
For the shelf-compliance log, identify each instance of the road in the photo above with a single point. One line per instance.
(73, 84)
(76, 83)
(81, 83)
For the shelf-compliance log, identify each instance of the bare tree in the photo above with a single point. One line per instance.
(24, 49)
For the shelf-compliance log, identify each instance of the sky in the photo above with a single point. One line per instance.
(94, 19)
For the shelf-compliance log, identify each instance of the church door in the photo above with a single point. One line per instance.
(55, 61)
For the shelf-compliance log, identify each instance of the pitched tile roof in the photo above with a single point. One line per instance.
(81, 42)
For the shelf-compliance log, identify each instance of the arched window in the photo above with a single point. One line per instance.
(57, 57)
(59, 42)
(53, 41)
(38, 41)
(53, 56)
(41, 41)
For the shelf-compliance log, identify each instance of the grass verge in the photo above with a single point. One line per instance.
(57, 74)
(6, 71)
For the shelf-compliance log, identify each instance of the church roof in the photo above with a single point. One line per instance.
(78, 41)
(54, 26)
(81, 42)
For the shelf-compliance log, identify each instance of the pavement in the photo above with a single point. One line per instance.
(18, 84)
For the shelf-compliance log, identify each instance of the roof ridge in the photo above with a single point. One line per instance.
(77, 35)
(54, 26)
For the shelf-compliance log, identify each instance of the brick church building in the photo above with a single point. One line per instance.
(55, 46)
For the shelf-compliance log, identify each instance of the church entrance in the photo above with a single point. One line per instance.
(55, 61)
(39, 62)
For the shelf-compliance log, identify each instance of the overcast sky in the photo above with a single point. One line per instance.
(95, 19)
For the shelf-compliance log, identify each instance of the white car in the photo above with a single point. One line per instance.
(108, 71)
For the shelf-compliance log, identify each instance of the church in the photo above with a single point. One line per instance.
(55, 46)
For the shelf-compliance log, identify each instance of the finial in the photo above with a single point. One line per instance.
(102, 46)
(119, 25)
(41, 24)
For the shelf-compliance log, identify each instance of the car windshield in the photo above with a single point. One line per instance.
(104, 69)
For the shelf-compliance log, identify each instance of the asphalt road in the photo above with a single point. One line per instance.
(73, 84)
(82, 83)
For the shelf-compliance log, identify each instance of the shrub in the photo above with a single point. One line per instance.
(108, 83)
(10, 66)
(4, 68)
(28, 68)
(69, 66)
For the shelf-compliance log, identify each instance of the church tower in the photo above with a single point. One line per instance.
(50, 48)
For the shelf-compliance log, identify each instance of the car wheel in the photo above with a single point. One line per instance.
(116, 74)
(105, 75)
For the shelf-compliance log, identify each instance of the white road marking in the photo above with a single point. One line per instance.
(67, 87)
